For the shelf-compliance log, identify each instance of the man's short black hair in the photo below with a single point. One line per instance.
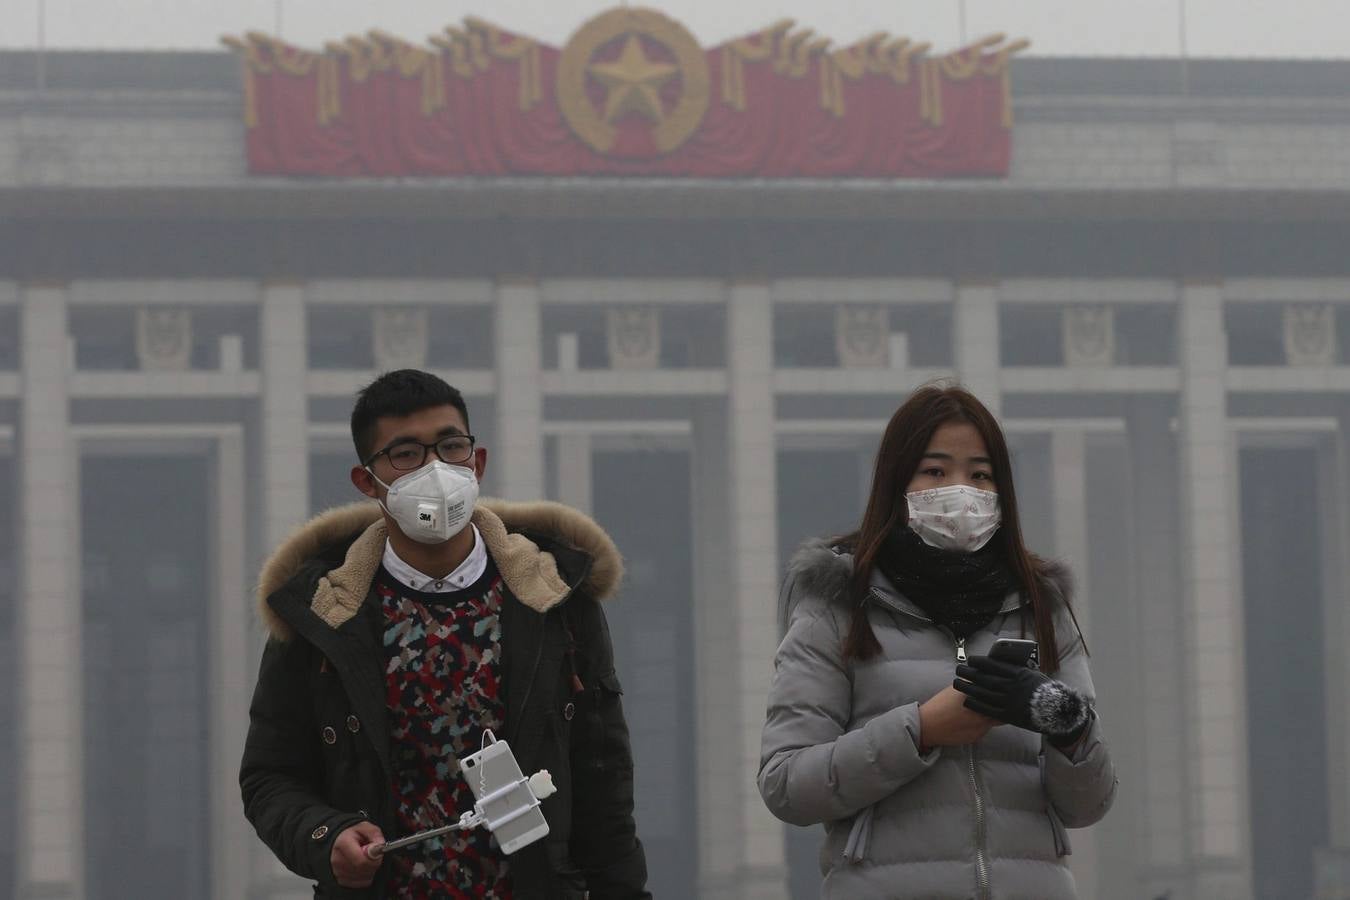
(397, 394)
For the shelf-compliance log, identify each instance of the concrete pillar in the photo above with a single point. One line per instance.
(574, 471)
(231, 671)
(518, 458)
(51, 779)
(1068, 479)
(976, 340)
(1215, 683)
(284, 455)
(285, 411)
(754, 575)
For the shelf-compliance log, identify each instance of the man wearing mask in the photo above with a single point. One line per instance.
(402, 629)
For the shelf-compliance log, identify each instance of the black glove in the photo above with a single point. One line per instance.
(1024, 697)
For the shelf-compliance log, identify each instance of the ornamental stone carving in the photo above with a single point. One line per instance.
(862, 337)
(1089, 336)
(1310, 334)
(163, 339)
(634, 338)
(400, 338)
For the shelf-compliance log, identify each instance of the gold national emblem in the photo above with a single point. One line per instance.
(654, 54)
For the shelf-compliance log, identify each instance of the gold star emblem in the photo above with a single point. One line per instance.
(633, 81)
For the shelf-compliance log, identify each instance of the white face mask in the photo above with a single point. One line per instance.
(432, 504)
(957, 517)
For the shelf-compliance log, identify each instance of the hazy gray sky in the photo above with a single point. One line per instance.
(1301, 28)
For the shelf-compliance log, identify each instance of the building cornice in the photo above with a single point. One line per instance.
(1029, 108)
(668, 200)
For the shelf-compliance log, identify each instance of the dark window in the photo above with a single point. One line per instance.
(105, 339)
(803, 337)
(929, 330)
(1286, 668)
(460, 337)
(9, 338)
(9, 681)
(1146, 335)
(1255, 334)
(340, 337)
(821, 493)
(1031, 335)
(652, 629)
(330, 479)
(146, 663)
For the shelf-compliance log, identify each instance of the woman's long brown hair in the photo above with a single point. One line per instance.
(902, 448)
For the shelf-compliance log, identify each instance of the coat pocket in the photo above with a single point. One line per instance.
(1062, 845)
(606, 691)
(1061, 834)
(609, 684)
(859, 836)
(570, 881)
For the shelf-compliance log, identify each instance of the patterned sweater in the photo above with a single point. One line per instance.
(442, 680)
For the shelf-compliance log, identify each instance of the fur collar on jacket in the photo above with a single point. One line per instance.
(531, 573)
(820, 570)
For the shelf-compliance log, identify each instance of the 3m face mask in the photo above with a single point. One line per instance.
(958, 517)
(432, 504)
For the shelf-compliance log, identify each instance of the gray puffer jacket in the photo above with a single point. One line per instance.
(841, 746)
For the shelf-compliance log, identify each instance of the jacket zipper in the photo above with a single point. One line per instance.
(981, 863)
(514, 730)
(981, 859)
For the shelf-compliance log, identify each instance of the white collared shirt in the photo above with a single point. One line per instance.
(468, 572)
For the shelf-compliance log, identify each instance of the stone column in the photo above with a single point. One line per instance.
(285, 411)
(48, 635)
(976, 341)
(518, 460)
(574, 471)
(1068, 479)
(284, 456)
(754, 576)
(231, 673)
(1215, 677)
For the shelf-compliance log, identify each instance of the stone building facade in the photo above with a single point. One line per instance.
(1155, 302)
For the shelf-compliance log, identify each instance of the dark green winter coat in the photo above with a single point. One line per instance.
(318, 758)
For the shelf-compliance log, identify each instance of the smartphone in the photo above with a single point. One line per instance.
(1018, 652)
(512, 812)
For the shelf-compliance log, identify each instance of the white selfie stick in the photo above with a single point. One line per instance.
(540, 786)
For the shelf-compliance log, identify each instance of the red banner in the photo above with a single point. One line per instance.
(631, 93)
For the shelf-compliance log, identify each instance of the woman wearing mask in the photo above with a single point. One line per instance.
(937, 770)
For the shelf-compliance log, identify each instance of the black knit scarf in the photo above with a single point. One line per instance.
(959, 591)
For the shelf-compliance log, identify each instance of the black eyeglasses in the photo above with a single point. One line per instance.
(405, 456)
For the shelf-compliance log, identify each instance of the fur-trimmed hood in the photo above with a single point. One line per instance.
(823, 571)
(351, 539)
